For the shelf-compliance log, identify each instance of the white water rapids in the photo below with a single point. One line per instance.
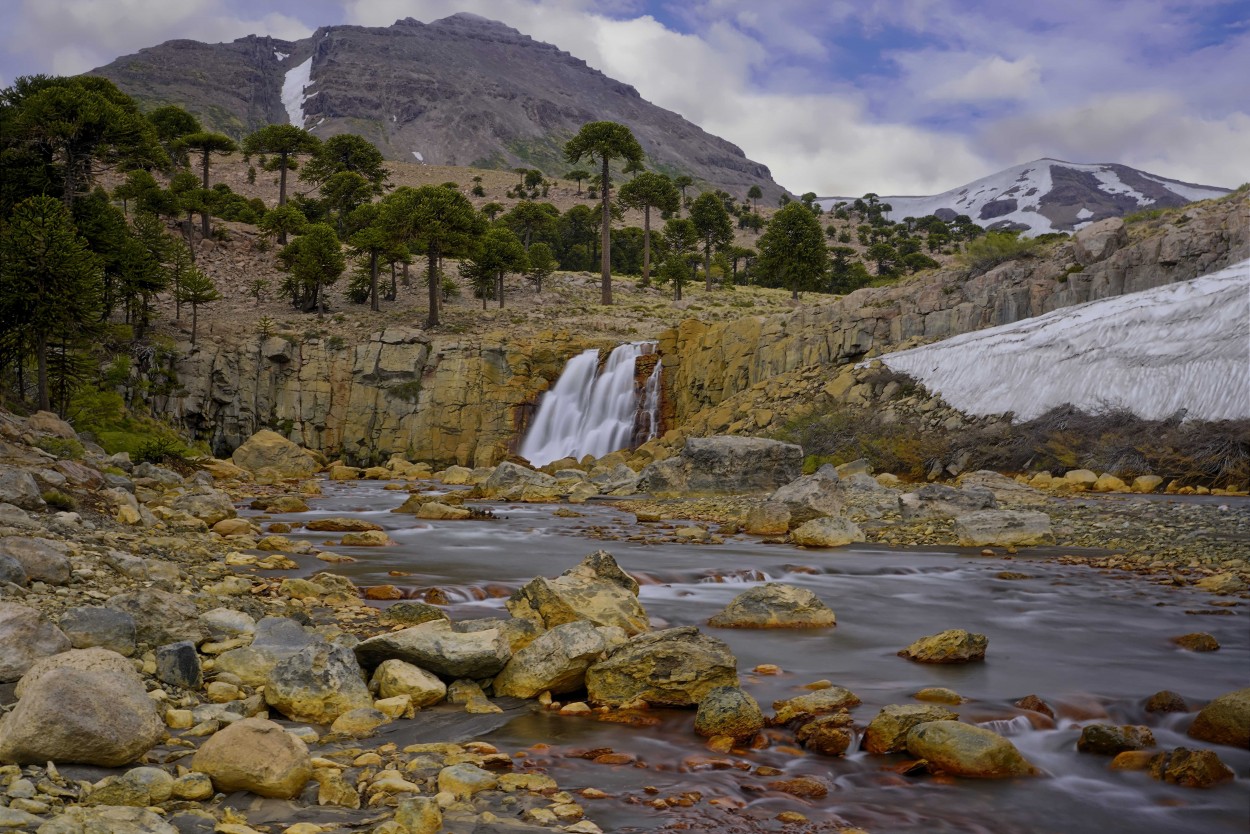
(1184, 347)
(590, 412)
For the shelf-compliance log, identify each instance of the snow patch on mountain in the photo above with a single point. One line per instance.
(1184, 347)
(293, 84)
(1048, 195)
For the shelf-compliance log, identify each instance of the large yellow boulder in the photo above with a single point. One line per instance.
(269, 455)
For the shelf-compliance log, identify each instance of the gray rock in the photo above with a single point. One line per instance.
(227, 624)
(18, 487)
(556, 661)
(724, 464)
(964, 750)
(114, 819)
(413, 613)
(774, 605)
(89, 717)
(820, 702)
(728, 711)
(16, 517)
(827, 532)
(1098, 241)
(811, 496)
(436, 647)
(317, 684)
(96, 625)
(178, 664)
(1111, 740)
(255, 755)
(275, 640)
(160, 617)
(955, 645)
(44, 560)
(596, 590)
(157, 474)
(509, 479)
(210, 506)
(26, 635)
(620, 479)
(675, 667)
(887, 733)
(12, 571)
(1003, 528)
(942, 501)
(93, 660)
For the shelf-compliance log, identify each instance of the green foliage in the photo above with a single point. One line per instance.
(57, 500)
(541, 264)
(792, 250)
(711, 221)
(346, 153)
(406, 391)
(313, 260)
(62, 447)
(985, 253)
(163, 450)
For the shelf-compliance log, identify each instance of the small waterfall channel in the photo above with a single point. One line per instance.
(593, 410)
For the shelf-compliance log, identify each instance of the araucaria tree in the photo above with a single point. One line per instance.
(715, 231)
(435, 219)
(49, 285)
(206, 144)
(196, 289)
(604, 142)
(284, 143)
(313, 260)
(647, 191)
(792, 250)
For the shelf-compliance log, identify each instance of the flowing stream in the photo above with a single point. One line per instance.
(1093, 645)
(591, 411)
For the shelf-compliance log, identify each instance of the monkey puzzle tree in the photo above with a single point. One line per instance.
(792, 250)
(346, 152)
(578, 174)
(680, 239)
(196, 289)
(284, 142)
(604, 142)
(313, 260)
(715, 231)
(496, 253)
(206, 144)
(646, 191)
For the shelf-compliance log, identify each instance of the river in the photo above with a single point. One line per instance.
(1093, 645)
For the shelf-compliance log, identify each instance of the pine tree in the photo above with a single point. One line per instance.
(196, 289)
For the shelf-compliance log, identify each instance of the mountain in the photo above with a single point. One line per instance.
(1049, 195)
(463, 90)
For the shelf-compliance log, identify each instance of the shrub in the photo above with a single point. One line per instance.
(985, 253)
(62, 447)
(161, 450)
(58, 500)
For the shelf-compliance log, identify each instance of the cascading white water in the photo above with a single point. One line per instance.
(589, 412)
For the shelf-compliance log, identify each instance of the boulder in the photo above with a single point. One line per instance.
(26, 635)
(1110, 740)
(1098, 241)
(811, 496)
(45, 422)
(114, 819)
(94, 625)
(774, 605)
(827, 532)
(887, 733)
(456, 476)
(43, 560)
(255, 755)
(209, 506)
(951, 646)
(464, 780)
(1190, 768)
(723, 465)
(675, 667)
(556, 660)
(227, 624)
(829, 735)
(339, 524)
(18, 487)
(178, 664)
(942, 501)
(1003, 528)
(964, 750)
(97, 716)
(160, 617)
(821, 702)
(275, 640)
(596, 590)
(12, 572)
(138, 787)
(269, 455)
(436, 647)
(618, 480)
(438, 511)
(413, 613)
(728, 711)
(1226, 720)
(280, 504)
(767, 519)
(317, 684)
(394, 678)
(509, 480)
(86, 660)
(1145, 484)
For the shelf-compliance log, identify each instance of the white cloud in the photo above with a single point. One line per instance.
(991, 78)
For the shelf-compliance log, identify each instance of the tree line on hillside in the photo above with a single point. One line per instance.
(81, 268)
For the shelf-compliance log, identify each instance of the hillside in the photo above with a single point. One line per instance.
(1049, 195)
(459, 91)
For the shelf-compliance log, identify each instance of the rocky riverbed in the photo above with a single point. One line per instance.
(167, 665)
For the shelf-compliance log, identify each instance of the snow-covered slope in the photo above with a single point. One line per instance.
(1182, 346)
(1048, 195)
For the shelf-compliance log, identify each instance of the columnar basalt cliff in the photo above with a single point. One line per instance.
(448, 400)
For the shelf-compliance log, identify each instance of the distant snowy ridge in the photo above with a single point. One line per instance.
(1049, 195)
(1184, 346)
(297, 78)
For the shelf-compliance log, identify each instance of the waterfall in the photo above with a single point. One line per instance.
(593, 412)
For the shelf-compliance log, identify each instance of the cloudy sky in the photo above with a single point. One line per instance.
(839, 97)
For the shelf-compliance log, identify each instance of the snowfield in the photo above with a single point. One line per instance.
(1185, 346)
